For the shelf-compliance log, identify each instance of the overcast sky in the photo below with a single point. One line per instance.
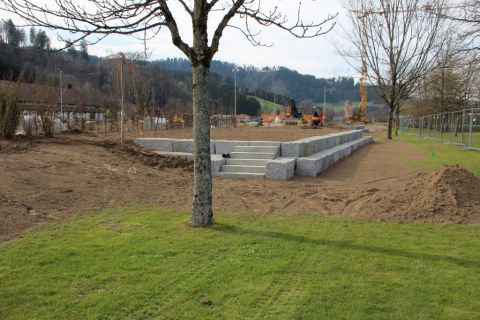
(315, 56)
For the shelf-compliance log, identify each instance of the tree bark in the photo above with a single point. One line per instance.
(390, 121)
(397, 120)
(202, 213)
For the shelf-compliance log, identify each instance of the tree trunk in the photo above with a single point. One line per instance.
(397, 120)
(202, 214)
(390, 121)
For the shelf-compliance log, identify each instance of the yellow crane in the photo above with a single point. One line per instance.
(360, 113)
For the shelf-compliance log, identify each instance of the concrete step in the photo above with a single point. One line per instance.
(252, 155)
(257, 149)
(247, 162)
(240, 175)
(245, 169)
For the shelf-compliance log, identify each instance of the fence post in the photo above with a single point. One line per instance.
(463, 126)
(428, 124)
(471, 129)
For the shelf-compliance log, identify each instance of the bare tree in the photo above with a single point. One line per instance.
(104, 17)
(400, 41)
(467, 17)
(452, 86)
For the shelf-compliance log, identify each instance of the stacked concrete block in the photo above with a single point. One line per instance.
(217, 163)
(186, 145)
(157, 144)
(183, 145)
(280, 169)
(226, 146)
(317, 144)
(265, 143)
(319, 162)
(263, 149)
(308, 166)
(294, 149)
(259, 159)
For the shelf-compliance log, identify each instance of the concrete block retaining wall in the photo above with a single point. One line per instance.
(311, 145)
(280, 169)
(319, 162)
(158, 144)
(308, 157)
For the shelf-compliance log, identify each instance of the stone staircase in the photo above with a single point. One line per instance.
(248, 162)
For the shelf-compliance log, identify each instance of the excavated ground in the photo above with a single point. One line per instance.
(48, 180)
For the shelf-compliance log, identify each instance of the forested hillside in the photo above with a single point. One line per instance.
(164, 84)
(285, 82)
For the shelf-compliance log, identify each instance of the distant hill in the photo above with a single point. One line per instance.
(285, 82)
(167, 83)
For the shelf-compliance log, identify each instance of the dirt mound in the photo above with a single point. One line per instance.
(449, 195)
(148, 158)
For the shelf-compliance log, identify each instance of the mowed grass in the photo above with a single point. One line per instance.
(438, 154)
(143, 263)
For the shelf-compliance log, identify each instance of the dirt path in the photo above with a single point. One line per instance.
(51, 179)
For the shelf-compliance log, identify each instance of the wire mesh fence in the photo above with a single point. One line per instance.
(31, 123)
(460, 128)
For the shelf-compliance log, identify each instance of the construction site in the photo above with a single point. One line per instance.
(326, 178)
(71, 173)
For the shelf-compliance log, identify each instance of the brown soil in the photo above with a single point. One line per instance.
(288, 133)
(48, 180)
(450, 194)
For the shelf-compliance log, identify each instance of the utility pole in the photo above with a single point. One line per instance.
(324, 103)
(275, 95)
(235, 84)
(122, 57)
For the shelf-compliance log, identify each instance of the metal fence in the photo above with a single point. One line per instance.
(460, 128)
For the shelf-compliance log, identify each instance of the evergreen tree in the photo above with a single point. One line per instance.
(84, 50)
(14, 36)
(33, 36)
(42, 41)
(2, 36)
(71, 51)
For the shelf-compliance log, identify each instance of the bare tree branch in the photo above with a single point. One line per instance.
(401, 41)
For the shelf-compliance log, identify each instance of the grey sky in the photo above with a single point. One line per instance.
(315, 56)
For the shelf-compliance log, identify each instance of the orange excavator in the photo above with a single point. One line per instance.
(317, 117)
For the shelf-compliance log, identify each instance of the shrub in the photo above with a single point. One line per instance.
(9, 112)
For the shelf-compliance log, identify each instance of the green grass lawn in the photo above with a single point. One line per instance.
(142, 263)
(268, 106)
(438, 154)
(447, 137)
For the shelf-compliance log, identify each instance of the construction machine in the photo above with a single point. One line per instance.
(360, 114)
(315, 121)
(294, 114)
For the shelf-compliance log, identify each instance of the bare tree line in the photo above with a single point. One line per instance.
(416, 52)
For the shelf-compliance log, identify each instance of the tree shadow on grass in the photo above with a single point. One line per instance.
(226, 228)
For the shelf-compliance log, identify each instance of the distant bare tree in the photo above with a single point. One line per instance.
(453, 84)
(45, 103)
(401, 41)
(133, 17)
(467, 15)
